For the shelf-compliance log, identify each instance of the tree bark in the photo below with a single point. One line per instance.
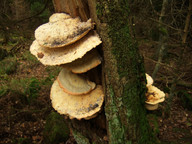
(73, 7)
(21, 11)
(162, 39)
(123, 80)
(21, 8)
(188, 18)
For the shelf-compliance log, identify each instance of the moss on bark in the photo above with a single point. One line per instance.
(124, 75)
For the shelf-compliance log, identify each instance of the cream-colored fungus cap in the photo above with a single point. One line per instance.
(87, 62)
(67, 54)
(79, 107)
(58, 17)
(154, 96)
(74, 84)
(157, 93)
(149, 80)
(62, 33)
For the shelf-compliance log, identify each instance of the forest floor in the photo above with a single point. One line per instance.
(25, 104)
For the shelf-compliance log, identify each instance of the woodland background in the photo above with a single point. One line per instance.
(163, 30)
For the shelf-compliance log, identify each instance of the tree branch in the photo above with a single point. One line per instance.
(166, 25)
(45, 6)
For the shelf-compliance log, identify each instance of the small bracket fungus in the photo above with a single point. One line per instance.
(58, 17)
(74, 84)
(154, 96)
(62, 32)
(149, 80)
(79, 107)
(66, 54)
(87, 62)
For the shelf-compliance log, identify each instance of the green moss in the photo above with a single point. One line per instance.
(56, 129)
(116, 130)
(124, 110)
(3, 53)
(28, 88)
(8, 66)
(30, 58)
(53, 73)
(80, 139)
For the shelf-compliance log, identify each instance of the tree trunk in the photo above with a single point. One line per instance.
(187, 21)
(123, 81)
(162, 39)
(21, 8)
(73, 7)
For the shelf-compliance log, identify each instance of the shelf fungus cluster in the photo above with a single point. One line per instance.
(70, 43)
(154, 96)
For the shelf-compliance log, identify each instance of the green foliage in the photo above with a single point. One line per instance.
(36, 6)
(3, 53)
(53, 73)
(22, 141)
(3, 90)
(163, 31)
(29, 88)
(56, 129)
(29, 57)
(32, 90)
(8, 66)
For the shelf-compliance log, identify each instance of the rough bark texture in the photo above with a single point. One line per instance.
(73, 7)
(123, 81)
(123, 74)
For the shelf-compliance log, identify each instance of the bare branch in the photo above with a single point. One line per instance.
(147, 58)
(45, 6)
(166, 25)
(157, 13)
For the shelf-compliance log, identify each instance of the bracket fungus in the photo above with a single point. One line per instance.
(62, 32)
(65, 54)
(84, 64)
(68, 42)
(74, 84)
(77, 106)
(154, 96)
(149, 80)
(58, 17)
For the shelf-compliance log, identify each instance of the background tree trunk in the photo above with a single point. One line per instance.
(21, 8)
(188, 18)
(163, 35)
(123, 79)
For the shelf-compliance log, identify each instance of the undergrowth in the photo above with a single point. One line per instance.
(28, 87)
(8, 66)
(29, 57)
